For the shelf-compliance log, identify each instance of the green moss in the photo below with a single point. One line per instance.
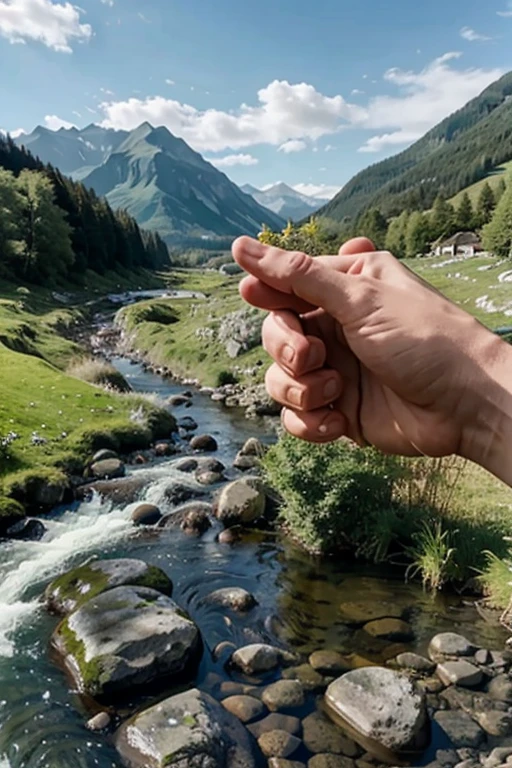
(11, 512)
(36, 487)
(189, 720)
(91, 672)
(156, 579)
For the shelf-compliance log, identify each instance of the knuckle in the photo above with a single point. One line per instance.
(300, 263)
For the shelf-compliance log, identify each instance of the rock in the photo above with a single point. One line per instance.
(431, 685)
(361, 613)
(126, 637)
(67, 592)
(256, 659)
(108, 469)
(187, 423)
(185, 731)
(283, 695)
(276, 722)
(253, 447)
(483, 656)
(236, 598)
(179, 493)
(330, 761)
(186, 465)
(240, 503)
(146, 514)
(245, 463)
(280, 762)
(176, 400)
(415, 662)
(223, 651)
(446, 758)
(228, 536)
(382, 706)
(104, 455)
(498, 756)
(28, 529)
(395, 630)
(500, 688)
(310, 679)
(209, 478)
(119, 492)
(320, 735)
(459, 673)
(165, 449)
(99, 722)
(278, 744)
(192, 518)
(329, 663)
(460, 729)
(448, 645)
(246, 708)
(495, 723)
(203, 443)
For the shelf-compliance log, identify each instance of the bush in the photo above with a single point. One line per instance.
(335, 495)
(154, 312)
(98, 372)
(226, 377)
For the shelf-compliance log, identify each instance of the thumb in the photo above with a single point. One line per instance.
(298, 274)
(356, 246)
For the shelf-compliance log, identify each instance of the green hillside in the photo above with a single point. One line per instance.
(494, 178)
(460, 151)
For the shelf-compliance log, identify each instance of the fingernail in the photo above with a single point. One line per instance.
(254, 248)
(288, 353)
(331, 389)
(294, 396)
(315, 357)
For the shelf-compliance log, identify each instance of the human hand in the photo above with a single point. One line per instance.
(364, 348)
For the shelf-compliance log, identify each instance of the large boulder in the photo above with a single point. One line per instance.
(382, 706)
(241, 502)
(120, 492)
(190, 730)
(108, 469)
(68, 592)
(193, 518)
(124, 638)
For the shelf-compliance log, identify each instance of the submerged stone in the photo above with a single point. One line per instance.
(67, 592)
(185, 731)
(126, 637)
(236, 598)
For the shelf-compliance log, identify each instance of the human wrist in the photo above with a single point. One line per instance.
(487, 433)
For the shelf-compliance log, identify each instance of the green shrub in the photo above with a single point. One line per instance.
(496, 580)
(335, 495)
(153, 312)
(98, 372)
(226, 377)
(160, 422)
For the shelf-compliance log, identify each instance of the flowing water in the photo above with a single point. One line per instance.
(42, 719)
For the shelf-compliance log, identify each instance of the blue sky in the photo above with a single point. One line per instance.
(307, 93)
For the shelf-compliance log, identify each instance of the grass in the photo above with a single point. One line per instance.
(98, 372)
(474, 189)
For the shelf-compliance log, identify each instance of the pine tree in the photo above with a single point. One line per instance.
(417, 236)
(497, 235)
(11, 204)
(485, 205)
(464, 215)
(442, 218)
(500, 189)
(373, 224)
(396, 235)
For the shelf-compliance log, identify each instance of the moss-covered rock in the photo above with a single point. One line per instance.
(127, 637)
(38, 490)
(11, 512)
(71, 590)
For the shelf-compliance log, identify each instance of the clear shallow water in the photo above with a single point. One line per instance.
(42, 719)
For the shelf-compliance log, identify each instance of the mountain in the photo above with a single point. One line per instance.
(458, 152)
(157, 178)
(285, 201)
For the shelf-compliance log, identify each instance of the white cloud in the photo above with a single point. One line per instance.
(55, 25)
(356, 92)
(320, 191)
(54, 123)
(92, 111)
(17, 133)
(293, 145)
(469, 34)
(143, 18)
(106, 92)
(508, 13)
(329, 148)
(108, 2)
(424, 99)
(77, 114)
(170, 82)
(230, 160)
(284, 112)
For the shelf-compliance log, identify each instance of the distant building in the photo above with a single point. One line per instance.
(461, 244)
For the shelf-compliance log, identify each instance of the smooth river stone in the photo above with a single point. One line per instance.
(256, 659)
(246, 708)
(283, 695)
(459, 673)
(236, 598)
(278, 744)
(320, 735)
(449, 645)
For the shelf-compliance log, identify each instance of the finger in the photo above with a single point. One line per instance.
(304, 393)
(254, 292)
(284, 340)
(321, 426)
(298, 274)
(356, 246)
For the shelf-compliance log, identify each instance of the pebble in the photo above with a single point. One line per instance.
(278, 744)
(276, 722)
(256, 658)
(99, 722)
(283, 695)
(415, 662)
(459, 673)
(246, 708)
(236, 598)
(311, 680)
(500, 688)
(331, 761)
(390, 629)
(329, 663)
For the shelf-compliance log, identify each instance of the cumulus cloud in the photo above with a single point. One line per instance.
(289, 115)
(230, 160)
(55, 25)
(473, 37)
(293, 145)
(284, 112)
(54, 123)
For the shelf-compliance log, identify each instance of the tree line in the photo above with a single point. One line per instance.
(54, 229)
(412, 232)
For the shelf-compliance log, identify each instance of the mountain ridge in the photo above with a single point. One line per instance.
(285, 201)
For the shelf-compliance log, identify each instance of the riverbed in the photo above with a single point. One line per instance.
(42, 720)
